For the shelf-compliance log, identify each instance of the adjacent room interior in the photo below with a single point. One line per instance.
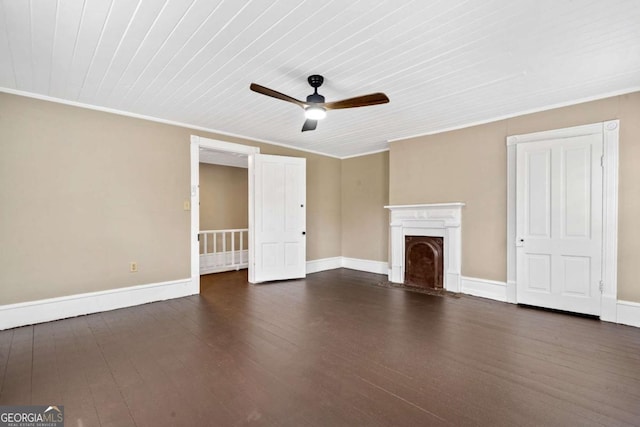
(223, 235)
(201, 225)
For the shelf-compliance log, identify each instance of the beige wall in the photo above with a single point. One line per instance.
(365, 223)
(469, 165)
(323, 201)
(83, 193)
(224, 197)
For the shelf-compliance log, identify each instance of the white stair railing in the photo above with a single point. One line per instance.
(214, 256)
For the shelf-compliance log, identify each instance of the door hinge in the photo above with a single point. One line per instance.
(601, 287)
(601, 161)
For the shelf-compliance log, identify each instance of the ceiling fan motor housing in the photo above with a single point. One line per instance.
(315, 98)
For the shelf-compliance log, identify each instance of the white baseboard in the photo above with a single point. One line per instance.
(316, 265)
(484, 288)
(323, 264)
(221, 261)
(378, 267)
(46, 310)
(628, 313)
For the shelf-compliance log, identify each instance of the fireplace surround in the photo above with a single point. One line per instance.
(435, 220)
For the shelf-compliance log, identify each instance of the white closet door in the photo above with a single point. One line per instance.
(559, 223)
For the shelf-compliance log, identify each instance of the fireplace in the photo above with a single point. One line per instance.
(441, 221)
(424, 262)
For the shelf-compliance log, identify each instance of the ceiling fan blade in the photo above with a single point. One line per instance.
(358, 101)
(275, 94)
(309, 125)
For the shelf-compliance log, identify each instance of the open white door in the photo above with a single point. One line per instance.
(559, 223)
(277, 216)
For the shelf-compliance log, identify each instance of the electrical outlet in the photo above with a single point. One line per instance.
(133, 267)
(187, 205)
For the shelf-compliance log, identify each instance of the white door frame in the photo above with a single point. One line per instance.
(610, 133)
(196, 143)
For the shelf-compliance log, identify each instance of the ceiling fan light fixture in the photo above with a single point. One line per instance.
(315, 113)
(315, 108)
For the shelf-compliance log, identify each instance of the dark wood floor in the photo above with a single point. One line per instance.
(331, 350)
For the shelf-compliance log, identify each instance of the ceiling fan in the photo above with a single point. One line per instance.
(314, 107)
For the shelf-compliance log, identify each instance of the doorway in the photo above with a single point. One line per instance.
(277, 211)
(562, 219)
(230, 152)
(224, 211)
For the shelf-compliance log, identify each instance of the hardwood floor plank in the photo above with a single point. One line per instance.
(45, 383)
(16, 389)
(6, 337)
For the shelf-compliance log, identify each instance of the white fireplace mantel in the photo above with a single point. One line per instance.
(435, 220)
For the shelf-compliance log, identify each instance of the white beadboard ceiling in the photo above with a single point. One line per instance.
(223, 158)
(444, 64)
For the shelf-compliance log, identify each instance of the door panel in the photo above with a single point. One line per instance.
(576, 203)
(559, 223)
(538, 273)
(576, 275)
(538, 200)
(279, 212)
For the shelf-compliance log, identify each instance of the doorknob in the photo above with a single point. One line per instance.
(304, 233)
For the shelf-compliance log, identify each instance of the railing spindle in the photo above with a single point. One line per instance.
(215, 248)
(224, 248)
(233, 248)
